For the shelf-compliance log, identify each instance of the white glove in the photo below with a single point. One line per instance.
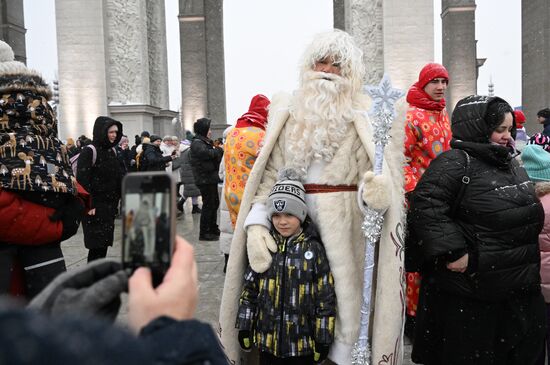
(377, 191)
(258, 244)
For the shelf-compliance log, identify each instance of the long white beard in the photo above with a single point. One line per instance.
(322, 109)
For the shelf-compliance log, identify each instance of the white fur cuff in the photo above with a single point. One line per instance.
(340, 353)
(257, 215)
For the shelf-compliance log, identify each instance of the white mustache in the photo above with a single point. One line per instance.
(318, 75)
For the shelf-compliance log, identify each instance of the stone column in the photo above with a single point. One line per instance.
(215, 65)
(459, 49)
(158, 61)
(128, 55)
(535, 57)
(202, 63)
(12, 27)
(82, 66)
(112, 61)
(392, 40)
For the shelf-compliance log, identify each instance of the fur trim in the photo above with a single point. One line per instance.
(27, 81)
(542, 188)
(6, 53)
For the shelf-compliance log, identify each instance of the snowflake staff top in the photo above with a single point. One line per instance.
(383, 96)
(382, 112)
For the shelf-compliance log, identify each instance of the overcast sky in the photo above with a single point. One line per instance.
(264, 40)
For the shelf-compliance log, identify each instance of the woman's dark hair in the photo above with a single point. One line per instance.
(495, 114)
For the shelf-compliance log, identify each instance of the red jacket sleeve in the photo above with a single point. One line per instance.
(411, 139)
(26, 223)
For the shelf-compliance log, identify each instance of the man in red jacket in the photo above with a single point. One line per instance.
(427, 134)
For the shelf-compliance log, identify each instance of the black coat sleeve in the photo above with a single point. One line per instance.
(84, 169)
(182, 342)
(206, 152)
(437, 234)
(156, 159)
(88, 340)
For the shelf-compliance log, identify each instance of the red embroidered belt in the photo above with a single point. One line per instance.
(318, 188)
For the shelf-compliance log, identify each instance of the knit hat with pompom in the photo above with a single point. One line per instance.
(288, 196)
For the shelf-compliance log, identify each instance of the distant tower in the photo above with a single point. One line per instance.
(491, 87)
(535, 62)
(202, 63)
(459, 48)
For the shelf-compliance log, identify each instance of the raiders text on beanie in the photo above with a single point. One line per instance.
(536, 161)
(287, 196)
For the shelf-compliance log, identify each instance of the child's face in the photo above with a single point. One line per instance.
(286, 224)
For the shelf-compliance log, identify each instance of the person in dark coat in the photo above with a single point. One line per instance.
(39, 205)
(153, 160)
(190, 190)
(477, 219)
(125, 157)
(205, 161)
(103, 181)
(543, 117)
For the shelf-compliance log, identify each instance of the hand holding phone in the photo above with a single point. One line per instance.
(175, 297)
(148, 205)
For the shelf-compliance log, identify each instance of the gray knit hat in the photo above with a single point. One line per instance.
(287, 196)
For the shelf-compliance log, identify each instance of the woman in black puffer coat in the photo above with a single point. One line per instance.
(102, 180)
(476, 219)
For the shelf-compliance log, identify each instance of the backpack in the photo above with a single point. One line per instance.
(74, 160)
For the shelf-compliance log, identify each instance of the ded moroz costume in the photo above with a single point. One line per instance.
(324, 132)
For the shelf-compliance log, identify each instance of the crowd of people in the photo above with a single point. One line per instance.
(462, 264)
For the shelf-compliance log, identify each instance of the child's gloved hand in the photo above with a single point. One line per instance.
(245, 340)
(259, 243)
(320, 352)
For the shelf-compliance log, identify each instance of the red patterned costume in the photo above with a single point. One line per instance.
(427, 134)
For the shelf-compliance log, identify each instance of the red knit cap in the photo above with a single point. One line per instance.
(520, 117)
(431, 71)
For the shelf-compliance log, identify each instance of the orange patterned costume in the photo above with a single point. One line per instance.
(242, 145)
(427, 134)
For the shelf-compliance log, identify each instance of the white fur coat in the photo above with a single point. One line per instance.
(339, 220)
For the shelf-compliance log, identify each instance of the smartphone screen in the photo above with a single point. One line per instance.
(148, 222)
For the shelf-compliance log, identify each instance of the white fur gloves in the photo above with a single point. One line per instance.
(258, 244)
(376, 191)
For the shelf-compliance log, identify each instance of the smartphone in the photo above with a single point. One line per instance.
(149, 222)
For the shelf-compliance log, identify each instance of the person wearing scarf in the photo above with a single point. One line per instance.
(242, 146)
(427, 134)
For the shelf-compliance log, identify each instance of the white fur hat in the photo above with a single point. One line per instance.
(8, 65)
(15, 76)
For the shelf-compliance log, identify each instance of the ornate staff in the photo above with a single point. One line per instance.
(382, 113)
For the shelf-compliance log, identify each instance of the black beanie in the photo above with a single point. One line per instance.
(545, 113)
(154, 137)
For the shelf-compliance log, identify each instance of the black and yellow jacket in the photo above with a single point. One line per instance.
(293, 304)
